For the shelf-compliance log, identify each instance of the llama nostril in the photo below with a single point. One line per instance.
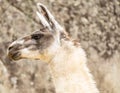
(15, 47)
(10, 47)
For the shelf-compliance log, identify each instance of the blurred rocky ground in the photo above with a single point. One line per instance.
(95, 23)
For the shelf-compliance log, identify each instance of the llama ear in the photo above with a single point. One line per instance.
(47, 19)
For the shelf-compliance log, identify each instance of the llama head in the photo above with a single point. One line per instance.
(42, 44)
(39, 45)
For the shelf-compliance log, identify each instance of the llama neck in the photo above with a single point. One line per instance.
(70, 73)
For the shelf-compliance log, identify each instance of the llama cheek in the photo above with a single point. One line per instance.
(25, 53)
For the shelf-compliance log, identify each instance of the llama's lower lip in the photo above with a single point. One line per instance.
(15, 55)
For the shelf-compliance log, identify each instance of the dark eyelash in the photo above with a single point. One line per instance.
(37, 36)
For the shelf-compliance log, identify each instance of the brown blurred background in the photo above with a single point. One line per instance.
(94, 23)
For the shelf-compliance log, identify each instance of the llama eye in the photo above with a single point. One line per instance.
(37, 36)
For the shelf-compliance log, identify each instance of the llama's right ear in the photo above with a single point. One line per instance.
(41, 15)
(47, 19)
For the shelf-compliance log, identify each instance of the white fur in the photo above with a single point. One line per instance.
(69, 71)
(26, 53)
(17, 42)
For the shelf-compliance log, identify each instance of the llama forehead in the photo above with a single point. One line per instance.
(45, 40)
(42, 31)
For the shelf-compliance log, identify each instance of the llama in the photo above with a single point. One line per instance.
(65, 57)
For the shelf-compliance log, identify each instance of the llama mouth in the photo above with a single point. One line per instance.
(15, 55)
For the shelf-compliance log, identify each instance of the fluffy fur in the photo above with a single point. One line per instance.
(69, 70)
